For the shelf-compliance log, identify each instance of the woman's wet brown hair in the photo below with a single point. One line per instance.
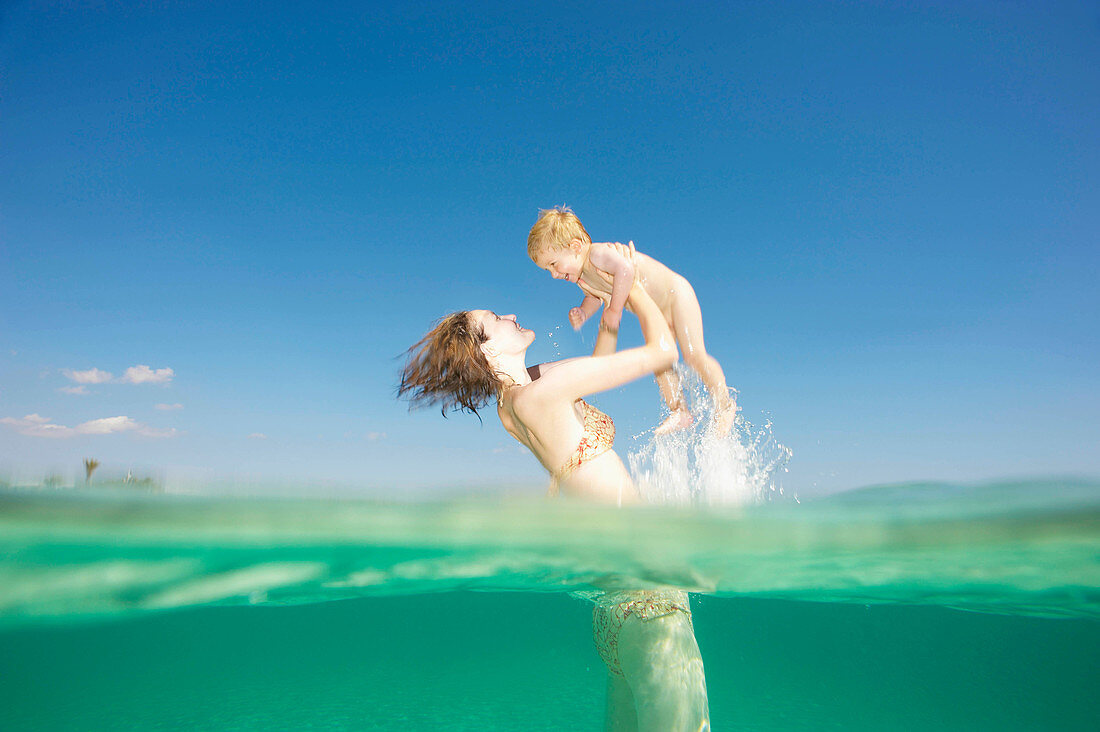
(447, 367)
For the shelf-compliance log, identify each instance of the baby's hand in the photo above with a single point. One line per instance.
(610, 320)
(577, 318)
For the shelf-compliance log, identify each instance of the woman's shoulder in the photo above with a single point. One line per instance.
(540, 370)
(520, 399)
(533, 398)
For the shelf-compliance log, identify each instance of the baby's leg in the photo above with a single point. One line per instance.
(672, 391)
(687, 324)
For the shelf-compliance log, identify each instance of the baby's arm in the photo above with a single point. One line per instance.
(588, 307)
(608, 258)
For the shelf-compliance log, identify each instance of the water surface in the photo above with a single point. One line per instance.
(903, 607)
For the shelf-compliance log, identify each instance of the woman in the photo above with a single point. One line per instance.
(655, 673)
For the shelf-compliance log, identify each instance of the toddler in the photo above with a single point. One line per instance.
(605, 272)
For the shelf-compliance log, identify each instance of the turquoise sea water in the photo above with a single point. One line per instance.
(903, 607)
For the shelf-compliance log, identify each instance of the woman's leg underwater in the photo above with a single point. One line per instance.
(621, 715)
(661, 662)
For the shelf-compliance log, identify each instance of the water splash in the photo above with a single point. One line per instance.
(697, 467)
(554, 337)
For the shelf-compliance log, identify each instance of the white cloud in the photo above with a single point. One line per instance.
(257, 436)
(142, 374)
(35, 425)
(146, 431)
(91, 376)
(106, 426)
(74, 389)
(169, 407)
(374, 436)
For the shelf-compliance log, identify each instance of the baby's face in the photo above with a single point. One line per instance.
(562, 264)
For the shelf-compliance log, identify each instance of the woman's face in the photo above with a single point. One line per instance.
(504, 334)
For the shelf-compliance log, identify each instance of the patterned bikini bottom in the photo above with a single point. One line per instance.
(613, 608)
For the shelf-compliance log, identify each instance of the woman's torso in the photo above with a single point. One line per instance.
(553, 433)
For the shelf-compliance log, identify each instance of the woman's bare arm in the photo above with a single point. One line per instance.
(572, 379)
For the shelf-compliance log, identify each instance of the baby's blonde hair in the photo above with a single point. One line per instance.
(554, 229)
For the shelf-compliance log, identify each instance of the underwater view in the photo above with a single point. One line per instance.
(920, 606)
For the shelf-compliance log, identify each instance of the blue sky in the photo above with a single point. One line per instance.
(889, 212)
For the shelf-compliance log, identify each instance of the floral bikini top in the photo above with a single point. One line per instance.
(599, 435)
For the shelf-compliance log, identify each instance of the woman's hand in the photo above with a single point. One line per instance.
(637, 293)
(608, 369)
(610, 320)
(626, 251)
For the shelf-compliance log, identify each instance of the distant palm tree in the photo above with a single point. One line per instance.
(90, 464)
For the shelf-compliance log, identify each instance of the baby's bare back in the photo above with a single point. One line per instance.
(662, 284)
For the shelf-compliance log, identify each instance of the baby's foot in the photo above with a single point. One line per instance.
(680, 419)
(724, 415)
